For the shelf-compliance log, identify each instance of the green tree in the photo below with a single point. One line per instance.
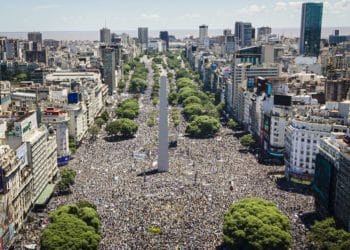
(137, 85)
(105, 116)
(203, 126)
(128, 109)
(123, 127)
(232, 124)
(193, 109)
(255, 223)
(126, 68)
(94, 130)
(67, 180)
(72, 227)
(185, 82)
(100, 121)
(324, 235)
(182, 73)
(173, 98)
(247, 140)
(192, 100)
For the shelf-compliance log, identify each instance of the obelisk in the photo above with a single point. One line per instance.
(163, 154)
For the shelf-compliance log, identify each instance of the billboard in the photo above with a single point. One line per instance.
(21, 153)
(283, 100)
(24, 127)
(250, 82)
(73, 97)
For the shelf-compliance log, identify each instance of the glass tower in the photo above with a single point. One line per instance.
(311, 25)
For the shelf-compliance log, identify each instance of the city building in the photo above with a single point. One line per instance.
(337, 90)
(263, 33)
(143, 38)
(164, 35)
(59, 120)
(336, 38)
(243, 34)
(35, 37)
(108, 59)
(311, 26)
(105, 35)
(203, 36)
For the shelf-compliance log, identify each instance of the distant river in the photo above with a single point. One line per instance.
(178, 33)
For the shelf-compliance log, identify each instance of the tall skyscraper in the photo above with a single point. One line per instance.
(227, 32)
(143, 37)
(35, 37)
(105, 35)
(310, 32)
(243, 33)
(108, 59)
(164, 35)
(263, 32)
(203, 35)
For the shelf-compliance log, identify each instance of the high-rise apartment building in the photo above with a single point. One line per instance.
(263, 32)
(203, 35)
(164, 35)
(35, 37)
(143, 37)
(108, 59)
(310, 32)
(105, 35)
(243, 33)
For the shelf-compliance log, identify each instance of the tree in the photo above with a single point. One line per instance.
(325, 235)
(100, 121)
(173, 98)
(203, 126)
(94, 130)
(193, 109)
(247, 140)
(191, 100)
(72, 227)
(185, 82)
(255, 223)
(126, 68)
(182, 73)
(128, 109)
(137, 85)
(123, 127)
(232, 124)
(105, 116)
(67, 180)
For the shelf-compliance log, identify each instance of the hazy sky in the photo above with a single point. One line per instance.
(71, 15)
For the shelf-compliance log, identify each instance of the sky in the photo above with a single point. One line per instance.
(76, 15)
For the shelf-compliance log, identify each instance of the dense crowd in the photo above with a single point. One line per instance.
(188, 203)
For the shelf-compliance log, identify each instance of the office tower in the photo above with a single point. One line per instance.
(230, 44)
(311, 25)
(35, 37)
(227, 32)
(105, 35)
(253, 33)
(108, 59)
(243, 33)
(143, 37)
(203, 35)
(164, 35)
(263, 32)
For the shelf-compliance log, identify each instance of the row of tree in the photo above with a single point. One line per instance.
(67, 180)
(138, 82)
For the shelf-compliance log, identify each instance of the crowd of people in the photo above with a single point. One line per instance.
(187, 204)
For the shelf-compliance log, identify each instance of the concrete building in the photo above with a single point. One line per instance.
(303, 136)
(35, 37)
(311, 26)
(337, 90)
(105, 35)
(59, 120)
(108, 59)
(143, 38)
(164, 35)
(203, 36)
(243, 34)
(263, 33)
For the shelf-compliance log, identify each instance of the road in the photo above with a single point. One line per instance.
(188, 203)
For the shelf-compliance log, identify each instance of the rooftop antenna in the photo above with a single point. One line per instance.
(105, 24)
